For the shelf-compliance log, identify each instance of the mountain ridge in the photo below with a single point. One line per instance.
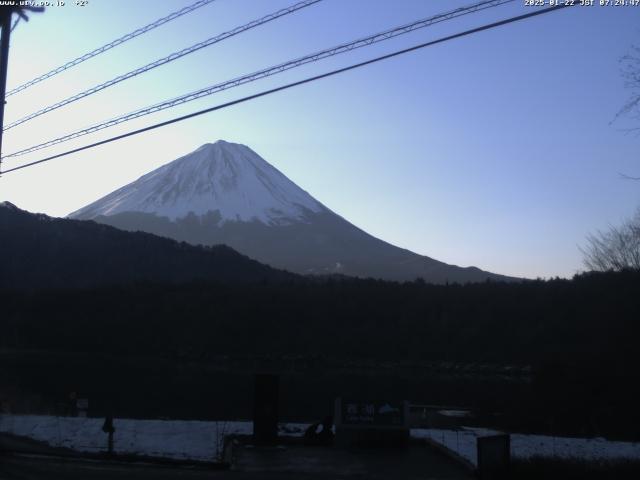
(55, 253)
(208, 197)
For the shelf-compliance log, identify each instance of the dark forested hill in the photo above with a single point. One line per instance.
(146, 296)
(229, 304)
(43, 252)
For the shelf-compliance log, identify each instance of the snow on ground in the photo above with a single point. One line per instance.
(203, 440)
(195, 440)
(179, 439)
(464, 441)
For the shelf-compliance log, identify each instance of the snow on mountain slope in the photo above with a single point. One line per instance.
(222, 176)
(225, 193)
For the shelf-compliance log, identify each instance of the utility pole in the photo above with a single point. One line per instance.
(6, 12)
(4, 61)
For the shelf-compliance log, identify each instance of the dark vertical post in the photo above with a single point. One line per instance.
(265, 409)
(109, 429)
(110, 443)
(494, 457)
(4, 61)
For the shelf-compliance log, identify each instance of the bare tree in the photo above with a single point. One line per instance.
(619, 247)
(615, 249)
(630, 71)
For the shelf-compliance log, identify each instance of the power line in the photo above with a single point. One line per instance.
(342, 48)
(295, 84)
(167, 59)
(110, 45)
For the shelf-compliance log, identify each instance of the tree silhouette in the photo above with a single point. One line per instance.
(615, 249)
(630, 70)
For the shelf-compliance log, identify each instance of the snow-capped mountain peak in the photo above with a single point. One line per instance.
(226, 177)
(242, 201)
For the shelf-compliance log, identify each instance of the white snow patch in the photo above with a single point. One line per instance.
(202, 440)
(177, 439)
(464, 443)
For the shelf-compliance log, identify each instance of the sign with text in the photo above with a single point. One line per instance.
(372, 413)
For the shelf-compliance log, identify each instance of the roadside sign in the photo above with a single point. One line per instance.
(371, 413)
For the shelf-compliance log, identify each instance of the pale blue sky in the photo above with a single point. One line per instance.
(494, 150)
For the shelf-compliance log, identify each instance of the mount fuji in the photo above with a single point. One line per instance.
(225, 193)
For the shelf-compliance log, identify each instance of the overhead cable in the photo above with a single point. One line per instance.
(110, 45)
(167, 59)
(294, 84)
(314, 57)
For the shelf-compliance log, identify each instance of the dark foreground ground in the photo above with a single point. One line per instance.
(26, 459)
(300, 463)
